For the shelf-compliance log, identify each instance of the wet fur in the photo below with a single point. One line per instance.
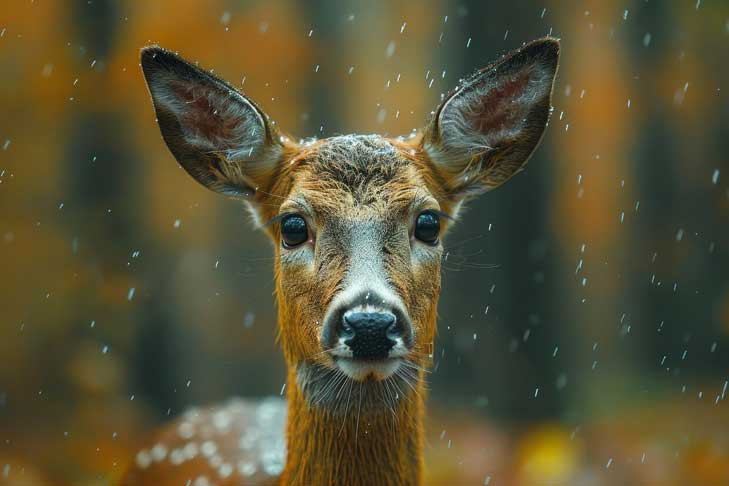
(339, 431)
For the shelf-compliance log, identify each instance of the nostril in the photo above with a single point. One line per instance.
(394, 331)
(346, 330)
(369, 334)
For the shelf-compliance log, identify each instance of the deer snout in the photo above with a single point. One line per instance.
(367, 329)
(369, 335)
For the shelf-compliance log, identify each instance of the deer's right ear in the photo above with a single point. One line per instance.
(219, 136)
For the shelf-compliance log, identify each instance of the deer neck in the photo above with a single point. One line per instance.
(356, 447)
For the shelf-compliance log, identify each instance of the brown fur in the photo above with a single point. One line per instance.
(341, 431)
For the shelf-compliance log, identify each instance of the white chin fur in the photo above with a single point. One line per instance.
(360, 370)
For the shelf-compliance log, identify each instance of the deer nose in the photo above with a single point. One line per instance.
(370, 335)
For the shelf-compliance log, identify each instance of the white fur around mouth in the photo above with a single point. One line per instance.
(360, 370)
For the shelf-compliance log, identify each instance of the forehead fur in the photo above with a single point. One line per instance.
(362, 170)
(357, 159)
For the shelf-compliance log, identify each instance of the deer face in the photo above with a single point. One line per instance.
(359, 257)
(356, 221)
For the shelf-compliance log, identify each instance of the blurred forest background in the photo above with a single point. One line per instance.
(584, 323)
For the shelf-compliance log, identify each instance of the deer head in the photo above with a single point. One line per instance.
(357, 222)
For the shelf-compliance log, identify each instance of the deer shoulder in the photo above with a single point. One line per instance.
(240, 442)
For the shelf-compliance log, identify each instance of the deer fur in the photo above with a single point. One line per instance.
(347, 423)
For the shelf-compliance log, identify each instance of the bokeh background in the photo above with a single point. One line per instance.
(584, 322)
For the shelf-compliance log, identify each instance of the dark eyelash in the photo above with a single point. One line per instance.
(442, 214)
(278, 218)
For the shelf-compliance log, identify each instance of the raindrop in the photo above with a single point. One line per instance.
(647, 39)
(130, 294)
(561, 381)
(390, 50)
(715, 176)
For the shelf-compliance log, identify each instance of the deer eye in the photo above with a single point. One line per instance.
(427, 227)
(293, 231)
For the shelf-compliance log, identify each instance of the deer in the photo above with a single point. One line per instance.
(357, 224)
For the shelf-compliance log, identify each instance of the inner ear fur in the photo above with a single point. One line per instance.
(218, 135)
(486, 129)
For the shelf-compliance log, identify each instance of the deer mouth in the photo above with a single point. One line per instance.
(361, 369)
(353, 384)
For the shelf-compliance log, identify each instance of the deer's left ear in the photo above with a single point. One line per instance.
(485, 131)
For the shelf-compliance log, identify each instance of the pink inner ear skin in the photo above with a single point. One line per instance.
(498, 110)
(198, 116)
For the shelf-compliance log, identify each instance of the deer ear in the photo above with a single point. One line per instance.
(219, 136)
(485, 131)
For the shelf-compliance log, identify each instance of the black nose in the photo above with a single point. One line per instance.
(370, 335)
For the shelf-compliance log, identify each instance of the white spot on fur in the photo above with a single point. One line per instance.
(208, 448)
(246, 468)
(186, 430)
(143, 459)
(158, 452)
(225, 470)
(190, 450)
(177, 456)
